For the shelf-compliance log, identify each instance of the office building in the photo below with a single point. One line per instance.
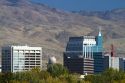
(21, 58)
(111, 62)
(84, 54)
(117, 63)
(122, 64)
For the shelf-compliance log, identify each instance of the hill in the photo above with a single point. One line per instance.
(24, 22)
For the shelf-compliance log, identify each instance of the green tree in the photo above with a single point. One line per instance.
(6, 77)
(56, 70)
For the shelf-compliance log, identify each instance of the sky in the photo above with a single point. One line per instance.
(87, 5)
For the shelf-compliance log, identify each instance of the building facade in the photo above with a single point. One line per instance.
(79, 65)
(84, 54)
(21, 58)
(111, 62)
(122, 64)
(117, 63)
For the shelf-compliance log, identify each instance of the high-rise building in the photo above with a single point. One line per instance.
(84, 54)
(21, 58)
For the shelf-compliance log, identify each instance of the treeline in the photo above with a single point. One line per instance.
(58, 74)
(108, 76)
(54, 74)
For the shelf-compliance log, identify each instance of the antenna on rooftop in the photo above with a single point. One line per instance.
(100, 29)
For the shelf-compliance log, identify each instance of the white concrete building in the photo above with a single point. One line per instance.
(111, 62)
(21, 58)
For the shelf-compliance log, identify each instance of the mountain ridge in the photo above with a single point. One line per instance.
(39, 25)
(104, 14)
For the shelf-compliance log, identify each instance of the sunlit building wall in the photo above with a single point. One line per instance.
(21, 58)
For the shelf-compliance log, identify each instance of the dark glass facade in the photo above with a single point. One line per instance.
(6, 60)
(78, 64)
(98, 62)
(84, 54)
(75, 44)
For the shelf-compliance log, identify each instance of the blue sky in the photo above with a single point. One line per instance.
(89, 5)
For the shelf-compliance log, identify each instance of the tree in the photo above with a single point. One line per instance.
(6, 77)
(56, 70)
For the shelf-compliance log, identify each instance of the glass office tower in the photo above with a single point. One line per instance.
(84, 54)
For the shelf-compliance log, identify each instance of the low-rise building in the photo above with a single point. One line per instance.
(21, 58)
